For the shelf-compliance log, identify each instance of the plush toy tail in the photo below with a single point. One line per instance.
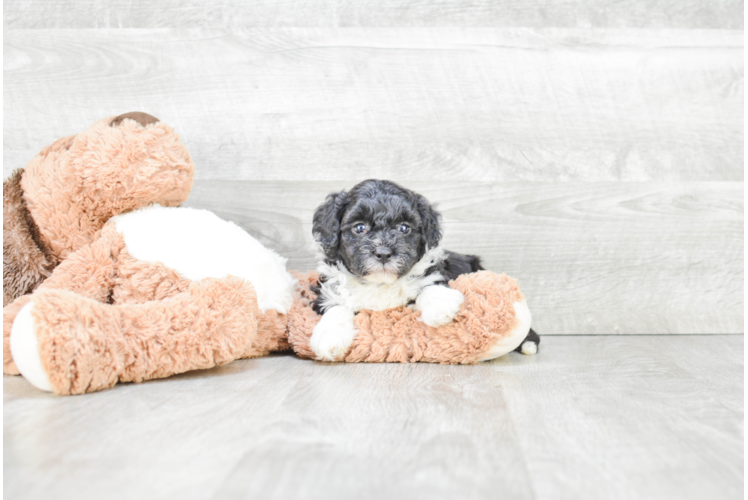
(86, 346)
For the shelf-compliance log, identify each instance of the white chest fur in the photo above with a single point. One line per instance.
(342, 288)
(198, 244)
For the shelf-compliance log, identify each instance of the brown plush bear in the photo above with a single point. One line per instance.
(66, 194)
(73, 186)
(108, 281)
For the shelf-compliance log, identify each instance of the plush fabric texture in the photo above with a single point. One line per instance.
(86, 346)
(106, 273)
(103, 316)
(27, 260)
(74, 186)
(88, 272)
(137, 282)
(65, 195)
(198, 244)
(396, 335)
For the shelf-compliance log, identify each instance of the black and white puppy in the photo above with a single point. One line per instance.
(380, 246)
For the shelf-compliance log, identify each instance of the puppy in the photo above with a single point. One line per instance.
(380, 249)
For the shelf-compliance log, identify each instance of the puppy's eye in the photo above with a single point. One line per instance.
(359, 228)
(404, 228)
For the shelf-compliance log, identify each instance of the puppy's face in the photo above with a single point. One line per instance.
(378, 230)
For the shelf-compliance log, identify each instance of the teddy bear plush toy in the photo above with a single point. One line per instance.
(106, 279)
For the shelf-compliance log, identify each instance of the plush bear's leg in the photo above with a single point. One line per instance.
(86, 346)
(492, 320)
(272, 335)
(88, 272)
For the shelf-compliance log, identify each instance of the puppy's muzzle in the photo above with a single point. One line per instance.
(383, 254)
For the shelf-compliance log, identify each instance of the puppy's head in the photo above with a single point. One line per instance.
(378, 229)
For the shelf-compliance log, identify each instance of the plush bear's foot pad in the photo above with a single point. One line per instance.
(25, 349)
(518, 334)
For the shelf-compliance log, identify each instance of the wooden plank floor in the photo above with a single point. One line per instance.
(589, 417)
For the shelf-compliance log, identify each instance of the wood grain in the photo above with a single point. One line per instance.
(591, 257)
(632, 417)
(339, 13)
(610, 417)
(478, 104)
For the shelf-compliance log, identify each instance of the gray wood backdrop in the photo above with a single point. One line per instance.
(591, 149)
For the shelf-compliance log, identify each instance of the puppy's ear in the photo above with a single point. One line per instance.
(326, 223)
(431, 228)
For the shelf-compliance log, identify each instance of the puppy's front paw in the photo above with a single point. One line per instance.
(333, 335)
(438, 305)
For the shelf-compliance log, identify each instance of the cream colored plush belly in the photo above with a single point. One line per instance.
(198, 244)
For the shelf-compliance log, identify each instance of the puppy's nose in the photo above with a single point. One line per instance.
(383, 254)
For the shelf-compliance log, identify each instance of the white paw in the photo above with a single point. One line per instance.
(334, 334)
(438, 305)
(25, 349)
(529, 348)
(510, 342)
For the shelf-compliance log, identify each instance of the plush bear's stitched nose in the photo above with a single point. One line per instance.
(383, 254)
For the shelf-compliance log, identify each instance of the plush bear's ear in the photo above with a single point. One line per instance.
(326, 223)
(27, 259)
(142, 118)
(431, 229)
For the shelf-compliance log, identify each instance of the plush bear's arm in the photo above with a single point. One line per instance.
(89, 272)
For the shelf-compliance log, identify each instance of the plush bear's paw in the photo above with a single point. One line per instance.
(438, 305)
(25, 349)
(333, 335)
